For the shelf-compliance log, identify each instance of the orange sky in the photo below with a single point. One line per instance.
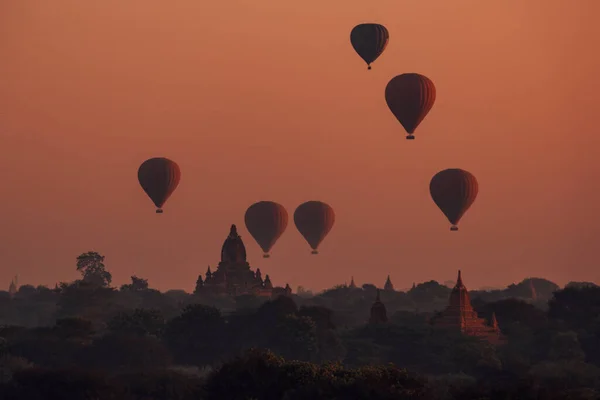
(266, 100)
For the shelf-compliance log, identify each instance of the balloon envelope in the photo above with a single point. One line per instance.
(314, 220)
(159, 178)
(369, 41)
(266, 221)
(410, 97)
(454, 191)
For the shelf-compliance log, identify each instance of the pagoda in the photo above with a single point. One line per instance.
(378, 311)
(234, 276)
(13, 287)
(352, 284)
(388, 286)
(461, 316)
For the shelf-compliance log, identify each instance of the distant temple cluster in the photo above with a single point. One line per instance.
(459, 315)
(234, 276)
(388, 286)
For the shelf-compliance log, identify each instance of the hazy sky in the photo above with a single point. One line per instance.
(266, 100)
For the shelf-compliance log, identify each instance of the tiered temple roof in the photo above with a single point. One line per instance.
(234, 276)
(461, 316)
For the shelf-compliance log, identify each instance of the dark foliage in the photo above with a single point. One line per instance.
(86, 340)
(262, 375)
(59, 384)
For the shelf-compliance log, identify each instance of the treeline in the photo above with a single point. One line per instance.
(199, 353)
(88, 340)
(96, 301)
(93, 298)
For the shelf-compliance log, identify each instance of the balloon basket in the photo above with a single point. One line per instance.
(314, 252)
(454, 228)
(266, 255)
(159, 211)
(369, 68)
(410, 137)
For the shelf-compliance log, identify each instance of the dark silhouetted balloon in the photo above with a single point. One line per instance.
(454, 191)
(314, 220)
(159, 178)
(369, 41)
(410, 97)
(266, 221)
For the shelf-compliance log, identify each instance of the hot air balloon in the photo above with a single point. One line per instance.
(369, 41)
(159, 178)
(453, 191)
(410, 97)
(266, 221)
(314, 220)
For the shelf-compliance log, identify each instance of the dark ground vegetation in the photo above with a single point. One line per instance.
(87, 340)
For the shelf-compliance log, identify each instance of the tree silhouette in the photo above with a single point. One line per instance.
(136, 285)
(92, 269)
(139, 322)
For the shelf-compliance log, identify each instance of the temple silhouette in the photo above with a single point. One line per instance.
(13, 287)
(234, 277)
(460, 316)
(378, 311)
(388, 286)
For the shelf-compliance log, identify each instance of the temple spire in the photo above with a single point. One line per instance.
(12, 287)
(267, 282)
(388, 284)
(233, 250)
(459, 281)
(199, 285)
(378, 311)
(352, 284)
(494, 322)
